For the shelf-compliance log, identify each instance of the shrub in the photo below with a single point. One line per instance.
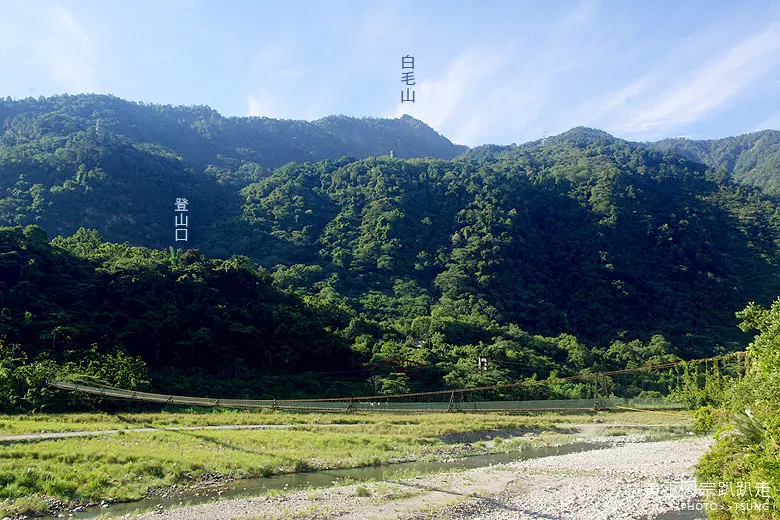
(704, 419)
(746, 454)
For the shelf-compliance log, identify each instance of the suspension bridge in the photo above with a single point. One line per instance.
(650, 387)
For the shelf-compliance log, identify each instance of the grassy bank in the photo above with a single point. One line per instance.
(125, 466)
(35, 423)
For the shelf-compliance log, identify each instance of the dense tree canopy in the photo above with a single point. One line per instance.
(750, 159)
(577, 253)
(586, 235)
(175, 310)
(105, 163)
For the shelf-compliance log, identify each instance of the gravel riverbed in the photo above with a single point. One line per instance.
(628, 481)
(632, 481)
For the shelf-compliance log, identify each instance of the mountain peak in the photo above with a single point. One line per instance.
(580, 134)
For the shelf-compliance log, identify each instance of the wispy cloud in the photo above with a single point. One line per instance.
(436, 100)
(771, 123)
(272, 64)
(510, 88)
(272, 74)
(50, 44)
(594, 110)
(712, 86)
(67, 52)
(256, 108)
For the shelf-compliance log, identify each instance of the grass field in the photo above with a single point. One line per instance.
(126, 465)
(431, 423)
(35, 423)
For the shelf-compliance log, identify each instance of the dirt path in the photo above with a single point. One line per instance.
(631, 481)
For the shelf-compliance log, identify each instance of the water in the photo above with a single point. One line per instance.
(319, 479)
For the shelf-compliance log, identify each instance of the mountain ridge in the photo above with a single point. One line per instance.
(580, 250)
(752, 159)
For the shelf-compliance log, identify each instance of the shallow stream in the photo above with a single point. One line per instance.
(321, 479)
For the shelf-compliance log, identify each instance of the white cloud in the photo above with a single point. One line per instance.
(594, 110)
(436, 100)
(47, 43)
(57, 45)
(711, 87)
(771, 123)
(69, 54)
(509, 89)
(259, 108)
(69, 24)
(274, 74)
(516, 106)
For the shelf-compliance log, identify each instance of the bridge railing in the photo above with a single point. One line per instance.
(373, 404)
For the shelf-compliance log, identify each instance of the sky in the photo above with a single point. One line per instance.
(485, 71)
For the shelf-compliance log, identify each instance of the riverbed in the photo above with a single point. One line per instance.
(625, 481)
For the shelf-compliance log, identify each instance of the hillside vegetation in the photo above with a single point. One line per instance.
(751, 159)
(116, 166)
(582, 252)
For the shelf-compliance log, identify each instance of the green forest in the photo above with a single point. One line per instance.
(319, 250)
(308, 264)
(750, 159)
(101, 162)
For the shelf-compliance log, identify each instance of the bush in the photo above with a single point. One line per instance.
(699, 387)
(24, 385)
(746, 455)
(704, 419)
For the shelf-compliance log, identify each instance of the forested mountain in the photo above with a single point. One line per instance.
(79, 298)
(117, 166)
(752, 159)
(581, 251)
(584, 234)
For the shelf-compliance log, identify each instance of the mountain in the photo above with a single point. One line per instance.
(751, 159)
(582, 234)
(79, 300)
(116, 166)
(580, 251)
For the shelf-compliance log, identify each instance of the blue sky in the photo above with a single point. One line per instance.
(487, 72)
